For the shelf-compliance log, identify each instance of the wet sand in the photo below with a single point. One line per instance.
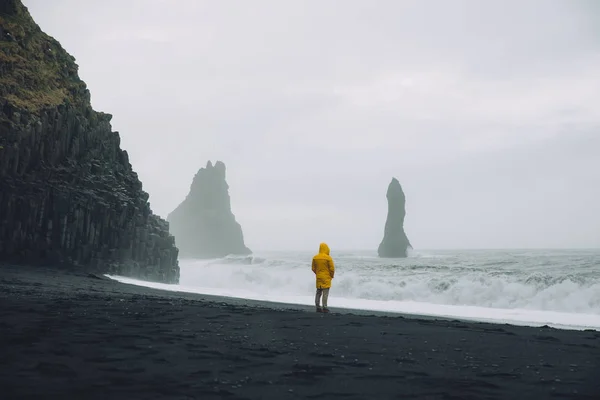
(76, 336)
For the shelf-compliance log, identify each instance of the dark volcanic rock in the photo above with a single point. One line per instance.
(395, 243)
(68, 194)
(203, 223)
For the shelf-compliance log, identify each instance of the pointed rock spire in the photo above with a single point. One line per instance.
(395, 243)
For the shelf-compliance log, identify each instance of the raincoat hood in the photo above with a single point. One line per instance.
(323, 248)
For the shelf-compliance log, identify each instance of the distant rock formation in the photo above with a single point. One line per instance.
(395, 243)
(68, 194)
(203, 223)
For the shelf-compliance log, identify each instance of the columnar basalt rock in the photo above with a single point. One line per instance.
(203, 223)
(68, 194)
(395, 243)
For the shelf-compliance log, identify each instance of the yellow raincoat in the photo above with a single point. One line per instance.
(322, 266)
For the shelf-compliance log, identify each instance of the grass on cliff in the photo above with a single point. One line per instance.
(35, 71)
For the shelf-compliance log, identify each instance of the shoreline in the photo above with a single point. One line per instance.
(70, 334)
(358, 311)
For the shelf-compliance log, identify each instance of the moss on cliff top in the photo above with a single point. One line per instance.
(35, 71)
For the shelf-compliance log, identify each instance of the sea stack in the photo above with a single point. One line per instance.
(395, 243)
(203, 223)
(68, 194)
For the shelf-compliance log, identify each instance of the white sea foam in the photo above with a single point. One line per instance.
(526, 288)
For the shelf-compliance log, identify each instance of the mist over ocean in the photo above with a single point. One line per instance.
(559, 288)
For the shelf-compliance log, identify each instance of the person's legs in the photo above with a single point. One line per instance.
(318, 297)
(325, 297)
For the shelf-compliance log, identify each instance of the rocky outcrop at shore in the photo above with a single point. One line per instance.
(68, 194)
(203, 223)
(395, 243)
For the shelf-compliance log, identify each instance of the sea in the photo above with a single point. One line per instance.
(557, 288)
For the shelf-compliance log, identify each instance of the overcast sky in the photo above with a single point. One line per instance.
(487, 112)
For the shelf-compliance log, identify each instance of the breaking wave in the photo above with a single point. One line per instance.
(421, 282)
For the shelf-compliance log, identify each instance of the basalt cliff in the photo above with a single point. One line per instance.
(395, 243)
(203, 223)
(68, 194)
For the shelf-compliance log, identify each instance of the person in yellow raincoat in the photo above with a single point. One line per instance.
(324, 269)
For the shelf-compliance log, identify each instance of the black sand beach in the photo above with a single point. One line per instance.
(76, 336)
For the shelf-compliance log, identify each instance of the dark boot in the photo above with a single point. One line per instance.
(319, 309)
(325, 309)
